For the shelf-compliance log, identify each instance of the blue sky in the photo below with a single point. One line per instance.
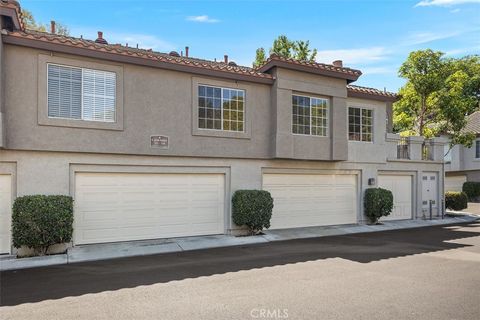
(373, 36)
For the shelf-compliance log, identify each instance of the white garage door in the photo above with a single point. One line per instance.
(129, 206)
(302, 200)
(455, 183)
(5, 213)
(401, 187)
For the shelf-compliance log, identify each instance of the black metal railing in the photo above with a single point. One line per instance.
(403, 149)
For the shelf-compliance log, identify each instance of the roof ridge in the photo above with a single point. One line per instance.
(371, 90)
(120, 49)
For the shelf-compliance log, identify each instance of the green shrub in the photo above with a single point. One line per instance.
(39, 221)
(472, 189)
(456, 200)
(252, 208)
(377, 203)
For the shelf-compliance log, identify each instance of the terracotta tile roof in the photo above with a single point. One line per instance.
(371, 91)
(14, 5)
(351, 73)
(473, 123)
(138, 53)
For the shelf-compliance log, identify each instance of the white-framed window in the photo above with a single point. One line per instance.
(477, 149)
(309, 115)
(360, 124)
(221, 108)
(80, 93)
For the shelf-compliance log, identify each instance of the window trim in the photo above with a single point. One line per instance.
(477, 146)
(247, 108)
(221, 107)
(327, 128)
(42, 94)
(348, 124)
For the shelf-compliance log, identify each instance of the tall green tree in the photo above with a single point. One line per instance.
(440, 92)
(260, 57)
(286, 48)
(32, 24)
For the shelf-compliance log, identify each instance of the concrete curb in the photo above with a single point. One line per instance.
(139, 248)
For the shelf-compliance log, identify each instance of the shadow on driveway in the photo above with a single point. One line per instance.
(32, 285)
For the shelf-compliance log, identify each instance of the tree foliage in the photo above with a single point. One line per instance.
(286, 48)
(32, 24)
(438, 96)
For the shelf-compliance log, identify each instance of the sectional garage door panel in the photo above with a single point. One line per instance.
(401, 187)
(5, 212)
(120, 207)
(303, 200)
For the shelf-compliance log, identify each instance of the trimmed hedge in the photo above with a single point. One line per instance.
(377, 203)
(39, 221)
(252, 208)
(472, 189)
(456, 200)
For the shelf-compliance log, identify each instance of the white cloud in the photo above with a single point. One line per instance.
(144, 41)
(379, 70)
(455, 10)
(202, 19)
(425, 37)
(353, 56)
(443, 3)
(462, 51)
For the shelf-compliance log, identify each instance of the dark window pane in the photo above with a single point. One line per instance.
(201, 91)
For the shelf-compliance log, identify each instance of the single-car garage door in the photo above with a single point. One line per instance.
(303, 200)
(401, 187)
(5, 212)
(134, 206)
(455, 183)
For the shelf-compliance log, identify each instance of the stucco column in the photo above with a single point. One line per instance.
(283, 135)
(415, 143)
(339, 129)
(438, 148)
(391, 145)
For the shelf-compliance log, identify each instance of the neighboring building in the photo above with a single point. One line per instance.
(153, 145)
(463, 164)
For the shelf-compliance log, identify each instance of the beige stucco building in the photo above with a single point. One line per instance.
(153, 145)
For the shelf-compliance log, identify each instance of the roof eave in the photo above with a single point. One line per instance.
(370, 96)
(85, 52)
(298, 67)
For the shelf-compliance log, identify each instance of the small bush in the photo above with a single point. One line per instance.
(377, 203)
(252, 208)
(39, 221)
(472, 189)
(456, 200)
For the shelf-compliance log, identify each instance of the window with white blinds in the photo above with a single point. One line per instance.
(79, 93)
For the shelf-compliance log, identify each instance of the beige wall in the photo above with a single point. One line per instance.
(290, 146)
(53, 172)
(376, 150)
(156, 102)
(162, 102)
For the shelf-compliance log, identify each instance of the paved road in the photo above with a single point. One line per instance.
(427, 273)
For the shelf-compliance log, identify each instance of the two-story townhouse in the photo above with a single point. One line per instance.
(153, 145)
(461, 163)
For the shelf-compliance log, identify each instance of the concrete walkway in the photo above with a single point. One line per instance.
(149, 247)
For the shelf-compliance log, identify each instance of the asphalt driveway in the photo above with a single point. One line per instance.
(424, 273)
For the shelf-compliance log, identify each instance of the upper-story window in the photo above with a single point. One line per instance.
(309, 115)
(221, 108)
(477, 149)
(81, 94)
(360, 124)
